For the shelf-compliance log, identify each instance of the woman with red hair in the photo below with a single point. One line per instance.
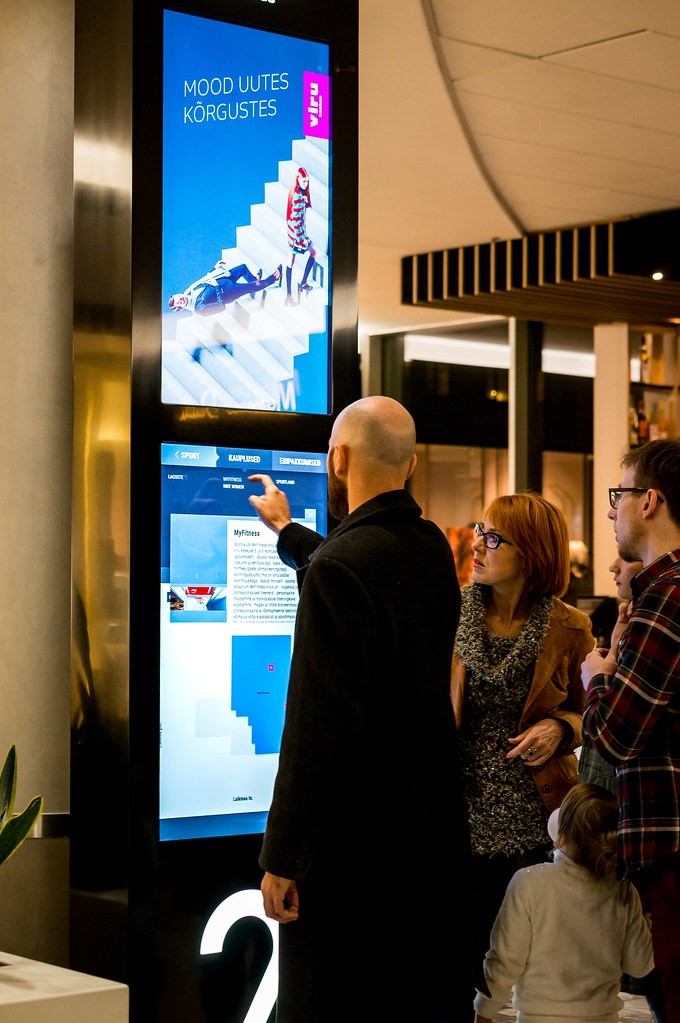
(299, 201)
(515, 688)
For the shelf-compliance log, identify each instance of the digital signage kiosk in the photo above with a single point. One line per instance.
(215, 340)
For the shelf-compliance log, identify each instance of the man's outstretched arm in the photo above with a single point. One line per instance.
(296, 542)
(272, 506)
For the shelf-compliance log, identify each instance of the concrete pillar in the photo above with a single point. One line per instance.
(610, 439)
(36, 212)
(525, 408)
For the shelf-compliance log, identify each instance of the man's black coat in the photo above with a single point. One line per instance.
(367, 814)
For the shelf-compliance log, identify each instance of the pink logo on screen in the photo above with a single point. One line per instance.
(316, 93)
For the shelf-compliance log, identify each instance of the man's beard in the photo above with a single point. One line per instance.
(629, 549)
(629, 552)
(338, 504)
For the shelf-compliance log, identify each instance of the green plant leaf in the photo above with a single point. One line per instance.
(18, 828)
(8, 785)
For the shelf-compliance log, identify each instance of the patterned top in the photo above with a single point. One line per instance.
(633, 717)
(505, 809)
(298, 239)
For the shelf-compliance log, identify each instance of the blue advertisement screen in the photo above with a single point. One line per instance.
(246, 218)
(228, 606)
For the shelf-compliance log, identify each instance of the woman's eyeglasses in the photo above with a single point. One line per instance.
(491, 539)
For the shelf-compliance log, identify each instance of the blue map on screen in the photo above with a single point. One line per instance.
(260, 666)
(246, 276)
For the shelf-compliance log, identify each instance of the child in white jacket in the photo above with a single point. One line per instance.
(567, 930)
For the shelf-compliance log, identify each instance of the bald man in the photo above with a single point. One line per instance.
(366, 848)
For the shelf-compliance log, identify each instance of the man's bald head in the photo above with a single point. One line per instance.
(379, 437)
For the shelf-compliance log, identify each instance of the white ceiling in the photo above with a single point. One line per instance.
(487, 118)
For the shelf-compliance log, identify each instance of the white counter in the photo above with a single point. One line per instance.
(33, 992)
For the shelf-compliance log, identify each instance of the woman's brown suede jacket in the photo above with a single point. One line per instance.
(556, 691)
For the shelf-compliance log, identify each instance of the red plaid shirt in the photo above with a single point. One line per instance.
(633, 717)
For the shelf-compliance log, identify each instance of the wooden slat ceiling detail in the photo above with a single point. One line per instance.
(600, 273)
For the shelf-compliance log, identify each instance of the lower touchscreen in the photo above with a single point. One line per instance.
(228, 608)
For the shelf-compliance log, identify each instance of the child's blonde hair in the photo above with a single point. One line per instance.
(587, 821)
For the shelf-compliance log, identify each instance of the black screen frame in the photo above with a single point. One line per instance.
(183, 482)
(180, 875)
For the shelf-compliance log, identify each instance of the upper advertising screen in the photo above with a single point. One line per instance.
(246, 278)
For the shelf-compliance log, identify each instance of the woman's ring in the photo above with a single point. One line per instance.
(531, 752)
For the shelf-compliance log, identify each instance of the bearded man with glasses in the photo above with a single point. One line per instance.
(633, 700)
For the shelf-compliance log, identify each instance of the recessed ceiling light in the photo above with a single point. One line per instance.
(657, 276)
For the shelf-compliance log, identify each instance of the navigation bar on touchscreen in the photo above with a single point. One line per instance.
(228, 606)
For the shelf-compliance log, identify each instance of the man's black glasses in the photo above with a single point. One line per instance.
(491, 540)
(615, 494)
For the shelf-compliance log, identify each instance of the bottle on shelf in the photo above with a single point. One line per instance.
(645, 353)
(672, 414)
(663, 421)
(654, 422)
(643, 424)
(633, 426)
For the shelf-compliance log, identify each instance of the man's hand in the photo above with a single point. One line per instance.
(598, 662)
(281, 899)
(625, 609)
(272, 506)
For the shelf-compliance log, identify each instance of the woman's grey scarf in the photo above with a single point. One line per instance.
(472, 638)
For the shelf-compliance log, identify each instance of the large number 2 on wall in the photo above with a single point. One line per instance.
(222, 919)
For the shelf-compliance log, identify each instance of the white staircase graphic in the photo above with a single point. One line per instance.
(240, 734)
(245, 355)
